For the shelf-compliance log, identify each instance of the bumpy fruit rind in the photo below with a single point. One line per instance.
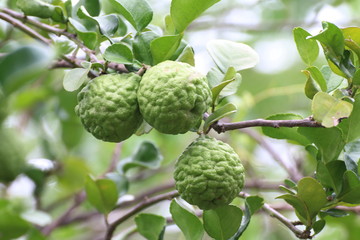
(173, 96)
(108, 107)
(209, 173)
(12, 157)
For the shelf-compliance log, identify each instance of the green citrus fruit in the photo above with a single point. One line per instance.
(209, 173)
(108, 107)
(12, 158)
(173, 97)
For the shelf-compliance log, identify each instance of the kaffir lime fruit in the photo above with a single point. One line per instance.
(12, 158)
(173, 97)
(209, 173)
(108, 107)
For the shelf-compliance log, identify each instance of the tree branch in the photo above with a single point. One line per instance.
(139, 207)
(221, 127)
(16, 23)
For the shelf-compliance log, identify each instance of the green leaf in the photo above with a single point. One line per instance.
(122, 183)
(145, 220)
(221, 223)
(356, 78)
(141, 47)
(219, 113)
(252, 205)
(74, 78)
(315, 82)
(333, 40)
(12, 225)
(307, 48)
(329, 141)
(187, 56)
(223, 85)
(107, 24)
(333, 212)
(119, 53)
(352, 155)
(330, 174)
(333, 80)
(163, 48)
(352, 39)
(351, 126)
(23, 65)
(92, 6)
(299, 206)
(102, 194)
(183, 12)
(137, 12)
(41, 9)
(227, 54)
(189, 224)
(90, 38)
(318, 226)
(351, 188)
(169, 25)
(312, 194)
(147, 155)
(285, 133)
(328, 110)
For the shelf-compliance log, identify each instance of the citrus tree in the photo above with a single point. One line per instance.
(109, 130)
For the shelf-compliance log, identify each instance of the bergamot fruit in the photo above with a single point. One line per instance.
(12, 158)
(173, 97)
(209, 173)
(108, 107)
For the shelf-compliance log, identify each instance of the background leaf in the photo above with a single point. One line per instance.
(220, 113)
(119, 53)
(227, 54)
(183, 12)
(74, 78)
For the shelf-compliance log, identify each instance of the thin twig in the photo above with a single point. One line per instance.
(221, 127)
(139, 207)
(16, 23)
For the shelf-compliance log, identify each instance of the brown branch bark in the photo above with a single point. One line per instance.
(221, 127)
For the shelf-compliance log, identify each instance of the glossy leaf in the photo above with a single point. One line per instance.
(351, 126)
(333, 81)
(307, 48)
(285, 133)
(318, 226)
(329, 141)
(145, 220)
(122, 183)
(169, 25)
(299, 206)
(330, 174)
(23, 65)
(352, 155)
(227, 54)
(141, 47)
(102, 194)
(219, 113)
(147, 155)
(183, 12)
(74, 78)
(221, 223)
(312, 194)
(189, 224)
(89, 37)
(223, 84)
(315, 82)
(351, 188)
(352, 39)
(137, 12)
(332, 37)
(41, 9)
(187, 56)
(163, 48)
(328, 110)
(333, 212)
(119, 53)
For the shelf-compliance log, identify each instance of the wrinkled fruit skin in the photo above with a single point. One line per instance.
(209, 173)
(108, 108)
(173, 97)
(12, 159)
